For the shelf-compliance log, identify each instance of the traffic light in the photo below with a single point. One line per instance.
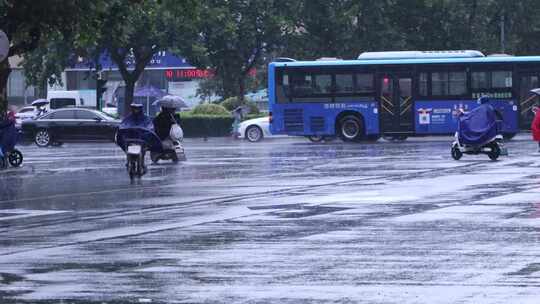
(100, 89)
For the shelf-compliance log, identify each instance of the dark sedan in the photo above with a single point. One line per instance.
(70, 125)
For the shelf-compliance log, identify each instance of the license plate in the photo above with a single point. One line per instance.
(135, 149)
(504, 151)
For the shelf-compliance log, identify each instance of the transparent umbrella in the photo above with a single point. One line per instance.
(171, 101)
(536, 91)
(40, 102)
(243, 109)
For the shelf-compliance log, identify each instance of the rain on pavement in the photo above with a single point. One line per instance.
(282, 221)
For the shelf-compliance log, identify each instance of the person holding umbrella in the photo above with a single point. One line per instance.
(238, 115)
(40, 106)
(167, 122)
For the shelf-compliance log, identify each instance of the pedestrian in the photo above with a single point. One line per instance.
(11, 114)
(535, 126)
(237, 119)
(40, 110)
(163, 124)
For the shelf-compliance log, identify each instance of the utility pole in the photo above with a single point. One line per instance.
(503, 48)
(100, 89)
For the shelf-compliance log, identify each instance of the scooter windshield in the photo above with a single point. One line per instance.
(138, 134)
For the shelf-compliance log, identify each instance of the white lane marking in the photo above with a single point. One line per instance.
(25, 213)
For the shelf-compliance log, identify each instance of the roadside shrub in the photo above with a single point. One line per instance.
(210, 109)
(196, 125)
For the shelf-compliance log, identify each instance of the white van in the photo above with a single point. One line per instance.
(63, 99)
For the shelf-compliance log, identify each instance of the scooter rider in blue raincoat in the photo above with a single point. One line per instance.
(481, 124)
(4, 124)
(136, 119)
(7, 134)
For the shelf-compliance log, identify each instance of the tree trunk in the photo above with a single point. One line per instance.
(241, 87)
(128, 95)
(229, 82)
(5, 70)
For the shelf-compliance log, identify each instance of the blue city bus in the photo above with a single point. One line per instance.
(397, 94)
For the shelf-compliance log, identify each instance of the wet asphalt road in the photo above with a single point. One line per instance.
(283, 221)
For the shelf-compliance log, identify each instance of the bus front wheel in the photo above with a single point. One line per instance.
(350, 128)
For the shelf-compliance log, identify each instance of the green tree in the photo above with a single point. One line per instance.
(29, 23)
(237, 34)
(322, 28)
(521, 23)
(133, 32)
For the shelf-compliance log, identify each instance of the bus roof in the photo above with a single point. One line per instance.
(419, 55)
(493, 59)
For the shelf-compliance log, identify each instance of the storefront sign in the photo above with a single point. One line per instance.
(182, 74)
(188, 74)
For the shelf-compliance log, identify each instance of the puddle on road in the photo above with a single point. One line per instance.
(8, 278)
(530, 269)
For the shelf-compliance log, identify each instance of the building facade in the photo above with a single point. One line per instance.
(19, 93)
(167, 72)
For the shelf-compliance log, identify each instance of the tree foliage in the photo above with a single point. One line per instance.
(236, 35)
(233, 37)
(210, 109)
(232, 103)
(29, 24)
(129, 32)
(134, 32)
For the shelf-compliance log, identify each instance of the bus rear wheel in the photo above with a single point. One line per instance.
(315, 138)
(351, 128)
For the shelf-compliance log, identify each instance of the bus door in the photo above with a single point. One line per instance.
(396, 103)
(527, 100)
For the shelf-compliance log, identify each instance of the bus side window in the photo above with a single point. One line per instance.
(480, 80)
(423, 84)
(449, 83)
(364, 83)
(501, 79)
(283, 89)
(302, 85)
(344, 83)
(323, 84)
(439, 84)
(457, 83)
(498, 84)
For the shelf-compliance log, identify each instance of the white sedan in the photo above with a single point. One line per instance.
(23, 114)
(255, 129)
(110, 109)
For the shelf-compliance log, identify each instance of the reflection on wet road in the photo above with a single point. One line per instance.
(282, 221)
